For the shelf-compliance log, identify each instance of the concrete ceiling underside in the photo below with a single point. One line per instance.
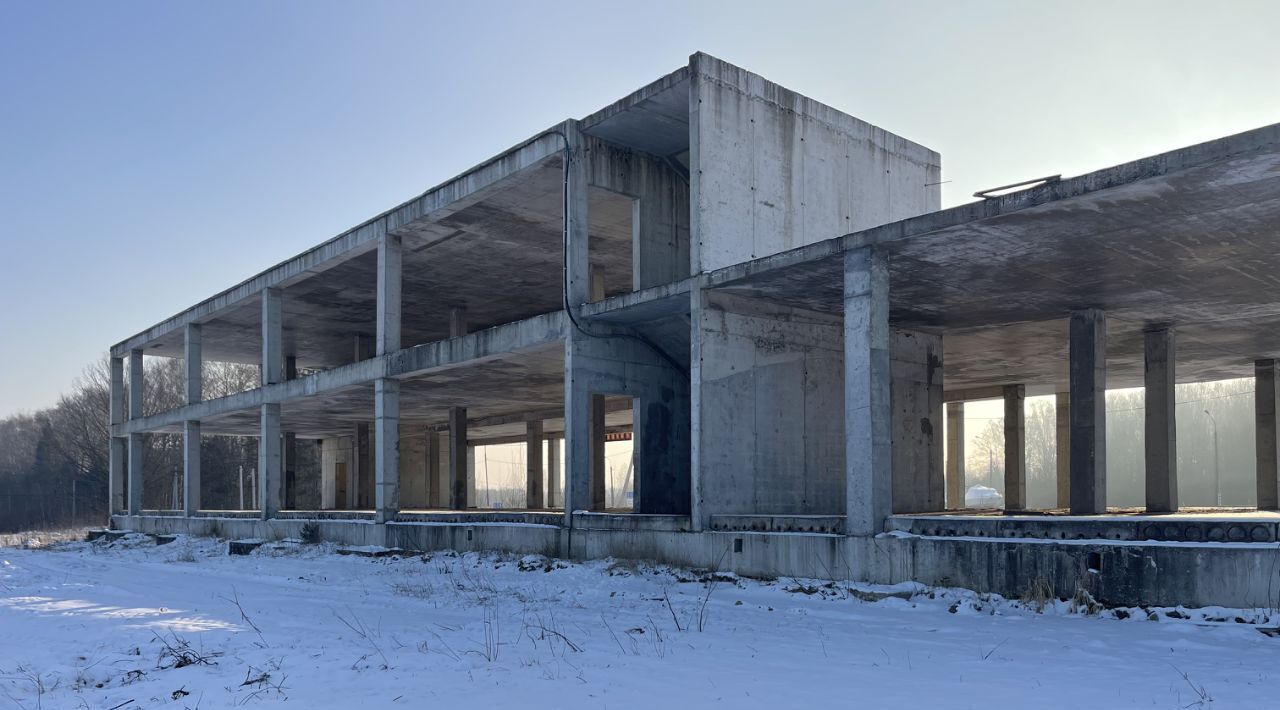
(499, 257)
(1198, 248)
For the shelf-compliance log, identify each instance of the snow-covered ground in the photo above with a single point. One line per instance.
(184, 625)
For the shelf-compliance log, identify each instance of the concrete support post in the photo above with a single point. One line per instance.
(289, 481)
(389, 287)
(269, 461)
(272, 337)
(1088, 353)
(190, 468)
(386, 465)
(1015, 448)
(553, 472)
(955, 455)
(118, 462)
(137, 385)
(433, 470)
(867, 410)
(458, 458)
(533, 488)
(599, 491)
(137, 445)
(193, 366)
(1062, 444)
(579, 256)
(1266, 403)
(1161, 429)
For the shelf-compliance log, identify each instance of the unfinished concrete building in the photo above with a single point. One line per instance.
(763, 293)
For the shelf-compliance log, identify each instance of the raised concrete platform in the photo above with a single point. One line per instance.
(1190, 526)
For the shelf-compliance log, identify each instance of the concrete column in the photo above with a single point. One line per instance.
(553, 472)
(473, 500)
(1062, 443)
(389, 286)
(193, 366)
(289, 482)
(458, 458)
(579, 276)
(137, 445)
(955, 455)
(137, 385)
(386, 404)
(433, 470)
(1088, 353)
(269, 461)
(457, 322)
(190, 468)
(1161, 430)
(1015, 448)
(290, 367)
(867, 411)
(118, 462)
(1266, 402)
(533, 465)
(272, 337)
(599, 498)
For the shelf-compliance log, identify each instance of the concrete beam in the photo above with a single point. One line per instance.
(955, 456)
(389, 293)
(431, 357)
(1266, 403)
(137, 385)
(191, 468)
(1088, 363)
(1015, 448)
(193, 365)
(386, 403)
(1160, 420)
(272, 337)
(458, 458)
(1062, 445)
(269, 461)
(973, 394)
(868, 440)
(534, 473)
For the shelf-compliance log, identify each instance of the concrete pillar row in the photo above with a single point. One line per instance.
(192, 364)
(955, 456)
(386, 466)
(190, 468)
(1160, 420)
(1015, 447)
(269, 461)
(272, 336)
(117, 464)
(433, 470)
(389, 294)
(534, 497)
(868, 442)
(1062, 444)
(553, 473)
(1266, 402)
(1088, 377)
(458, 458)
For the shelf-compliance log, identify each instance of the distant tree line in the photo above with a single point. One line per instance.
(54, 462)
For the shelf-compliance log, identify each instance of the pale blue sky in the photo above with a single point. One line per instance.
(154, 153)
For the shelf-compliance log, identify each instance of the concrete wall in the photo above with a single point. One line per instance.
(1116, 573)
(772, 170)
(660, 219)
(625, 366)
(915, 393)
(769, 402)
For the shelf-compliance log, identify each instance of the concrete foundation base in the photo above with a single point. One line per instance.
(1116, 572)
